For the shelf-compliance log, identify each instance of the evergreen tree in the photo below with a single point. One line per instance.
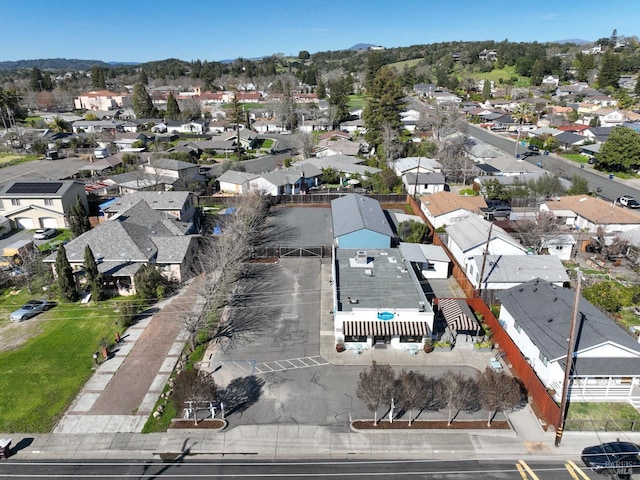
(147, 280)
(144, 79)
(339, 99)
(47, 82)
(78, 219)
(36, 80)
(173, 110)
(486, 90)
(141, 102)
(621, 151)
(383, 105)
(609, 73)
(65, 281)
(636, 90)
(321, 91)
(97, 78)
(93, 275)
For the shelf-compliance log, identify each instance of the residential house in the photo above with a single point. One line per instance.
(606, 360)
(424, 89)
(584, 212)
(446, 208)
(359, 222)
(102, 166)
(289, 181)
(98, 126)
(233, 181)
(422, 183)
(197, 127)
(180, 205)
(102, 100)
(326, 148)
(136, 236)
(560, 245)
(406, 165)
(474, 237)
(40, 204)
(341, 164)
(185, 172)
(431, 260)
(500, 272)
(568, 140)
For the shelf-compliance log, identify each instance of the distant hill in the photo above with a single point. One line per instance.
(575, 41)
(56, 64)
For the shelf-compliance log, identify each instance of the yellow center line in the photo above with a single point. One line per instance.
(523, 474)
(577, 469)
(528, 469)
(571, 471)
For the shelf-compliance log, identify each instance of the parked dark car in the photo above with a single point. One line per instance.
(533, 148)
(613, 458)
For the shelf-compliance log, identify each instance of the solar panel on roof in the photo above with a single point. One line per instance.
(35, 187)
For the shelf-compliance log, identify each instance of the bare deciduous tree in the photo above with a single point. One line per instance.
(195, 386)
(410, 391)
(498, 391)
(375, 387)
(223, 263)
(459, 393)
(537, 233)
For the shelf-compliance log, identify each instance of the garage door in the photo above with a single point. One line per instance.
(25, 222)
(49, 222)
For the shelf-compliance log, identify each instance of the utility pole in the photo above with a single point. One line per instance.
(484, 260)
(569, 363)
(415, 186)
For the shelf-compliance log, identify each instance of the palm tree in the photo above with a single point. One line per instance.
(521, 113)
(59, 125)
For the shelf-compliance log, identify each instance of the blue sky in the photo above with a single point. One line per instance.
(145, 30)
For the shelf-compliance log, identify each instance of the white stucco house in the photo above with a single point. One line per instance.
(473, 236)
(431, 260)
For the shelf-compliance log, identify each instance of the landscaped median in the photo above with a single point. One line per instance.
(47, 359)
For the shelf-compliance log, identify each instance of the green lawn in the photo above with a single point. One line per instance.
(602, 416)
(356, 101)
(575, 157)
(41, 377)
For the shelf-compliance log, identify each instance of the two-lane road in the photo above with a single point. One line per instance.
(598, 182)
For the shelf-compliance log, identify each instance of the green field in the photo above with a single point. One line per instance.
(42, 375)
(399, 66)
(502, 73)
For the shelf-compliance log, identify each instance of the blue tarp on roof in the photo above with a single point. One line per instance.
(104, 205)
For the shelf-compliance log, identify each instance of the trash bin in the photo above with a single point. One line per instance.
(5, 447)
(611, 176)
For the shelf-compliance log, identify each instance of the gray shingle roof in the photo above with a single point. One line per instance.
(544, 312)
(522, 268)
(473, 231)
(356, 212)
(156, 200)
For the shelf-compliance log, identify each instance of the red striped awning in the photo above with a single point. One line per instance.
(458, 315)
(385, 328)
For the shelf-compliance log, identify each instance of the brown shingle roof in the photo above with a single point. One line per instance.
(595, 210)
(446, 202)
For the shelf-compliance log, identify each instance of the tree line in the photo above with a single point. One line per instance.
(414, 392)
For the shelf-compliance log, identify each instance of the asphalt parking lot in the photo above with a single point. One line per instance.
(300, 386)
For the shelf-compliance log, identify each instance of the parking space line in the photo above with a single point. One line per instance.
(290, 364)
(575, 470)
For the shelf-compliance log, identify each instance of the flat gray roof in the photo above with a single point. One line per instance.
(300, 227)
(392, 285)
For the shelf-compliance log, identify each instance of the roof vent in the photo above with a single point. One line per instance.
(361, 257)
